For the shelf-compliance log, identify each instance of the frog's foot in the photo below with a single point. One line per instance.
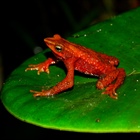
(41, 93)
(39, 67)
(110, 90)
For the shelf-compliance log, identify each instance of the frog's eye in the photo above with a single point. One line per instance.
(58, 48)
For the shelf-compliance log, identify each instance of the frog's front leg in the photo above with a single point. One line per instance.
(112, 81)
(42, 67)
(61, 86)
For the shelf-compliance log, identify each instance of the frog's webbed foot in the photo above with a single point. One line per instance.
(39, 67)
(110, 90)
(41, 93)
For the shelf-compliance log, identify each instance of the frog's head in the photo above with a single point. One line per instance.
(60, 47)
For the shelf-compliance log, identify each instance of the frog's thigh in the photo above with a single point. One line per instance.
(108, 79)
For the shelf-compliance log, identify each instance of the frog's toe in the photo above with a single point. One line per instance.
(41, 93)
(111, 92)
(100, 85)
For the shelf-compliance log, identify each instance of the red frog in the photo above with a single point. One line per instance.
(77, 57)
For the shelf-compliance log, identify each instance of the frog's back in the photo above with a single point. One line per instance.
(88, 61)
(86, 54)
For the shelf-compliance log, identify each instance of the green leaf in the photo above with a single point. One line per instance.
(83, 108)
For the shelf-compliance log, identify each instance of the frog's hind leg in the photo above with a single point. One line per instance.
(112, 81)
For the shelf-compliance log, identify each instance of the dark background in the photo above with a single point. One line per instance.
(24, 26)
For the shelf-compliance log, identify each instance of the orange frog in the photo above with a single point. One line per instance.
(77, 57)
